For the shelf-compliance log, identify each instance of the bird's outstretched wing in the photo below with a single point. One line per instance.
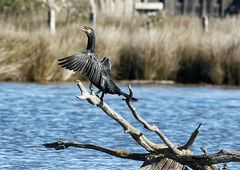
(106, 64)
(86, 64)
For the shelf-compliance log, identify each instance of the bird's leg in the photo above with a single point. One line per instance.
(91, 88)
(102, 95)
(101, 98)
(98, 92)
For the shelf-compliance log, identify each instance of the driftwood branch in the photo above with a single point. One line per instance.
(159, 156)
(153, 128)
(134, 132)
(213, 166)
(223, 156)
(210, 160)
(192, 138)
(59, 145)
(201, 162)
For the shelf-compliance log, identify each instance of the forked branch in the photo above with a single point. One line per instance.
(158, 155)
(134, 132)
(153, 128)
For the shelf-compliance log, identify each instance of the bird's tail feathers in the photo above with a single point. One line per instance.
(127, 96)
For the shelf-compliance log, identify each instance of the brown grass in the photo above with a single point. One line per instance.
(176, 49)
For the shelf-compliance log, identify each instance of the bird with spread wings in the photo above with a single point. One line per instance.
(87, 63)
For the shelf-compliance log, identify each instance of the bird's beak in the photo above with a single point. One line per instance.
(82, 28)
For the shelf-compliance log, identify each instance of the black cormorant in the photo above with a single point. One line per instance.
(87, 63)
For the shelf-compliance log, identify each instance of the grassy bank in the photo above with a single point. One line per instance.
(174, 48)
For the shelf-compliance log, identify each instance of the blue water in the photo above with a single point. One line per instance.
(33, 114)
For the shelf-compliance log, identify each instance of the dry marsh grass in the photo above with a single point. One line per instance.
(32, 56)
(178, 49)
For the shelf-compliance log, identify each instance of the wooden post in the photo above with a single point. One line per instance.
(205, 23)
(51, 16)
(52, 20)
(93, 12)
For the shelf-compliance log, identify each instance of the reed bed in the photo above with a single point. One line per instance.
(174, 48)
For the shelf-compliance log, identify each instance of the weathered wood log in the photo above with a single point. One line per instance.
(205, 23)
(163, 164)
(166, 156)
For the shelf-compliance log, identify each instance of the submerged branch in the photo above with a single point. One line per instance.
(59, 145)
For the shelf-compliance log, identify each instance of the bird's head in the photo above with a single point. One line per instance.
(91, 37)
(87, 30)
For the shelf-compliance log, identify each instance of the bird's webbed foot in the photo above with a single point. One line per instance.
(91, 89)
(98, 92)
(102, 95)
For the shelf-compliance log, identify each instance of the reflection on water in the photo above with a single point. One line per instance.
(33, 114)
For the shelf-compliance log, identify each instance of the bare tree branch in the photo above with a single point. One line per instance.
(205, 151)
(223, 156)
(200, 162)
(159, 156)
(153, 128)
(192, 138)
(59, 145)
(134, 132)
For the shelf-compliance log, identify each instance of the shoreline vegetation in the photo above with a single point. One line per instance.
(172, 48)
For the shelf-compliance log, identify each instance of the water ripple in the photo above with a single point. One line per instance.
(33, 114)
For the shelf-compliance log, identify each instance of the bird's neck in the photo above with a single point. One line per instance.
(91, 43)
